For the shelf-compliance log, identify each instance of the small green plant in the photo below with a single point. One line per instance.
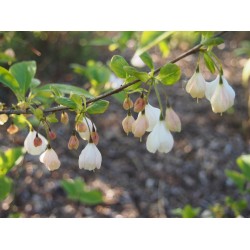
(187, 212)
(76, 190)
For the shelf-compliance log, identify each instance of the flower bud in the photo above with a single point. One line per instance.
(73, 142)
(140, 104)
(95, 137)
(50, 159)
(196, 86)
(37, 141)
(128, 104)
(172, 120)
(52, 135)
(12, 129)
(140, 126)
(81, 127)
(3, 119)
(64, 118)
(127, 123)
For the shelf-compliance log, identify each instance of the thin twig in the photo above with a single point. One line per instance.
(194, 50)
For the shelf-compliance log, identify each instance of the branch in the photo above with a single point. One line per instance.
(194, 50)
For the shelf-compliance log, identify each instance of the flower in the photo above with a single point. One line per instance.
(140, 125)
(73, 142)
(127, 103)
(50, 159)
(172, 120)
(86, 134)
(12, 129)
(90, 157)
(3, 119)
(153, 115)
(139, 104)
(52, 135)
(196, 85)
(64, 118)
(127, 123)
(30, 144)
(160, 139)
(81, 127)
(95, 136)
(220, 94)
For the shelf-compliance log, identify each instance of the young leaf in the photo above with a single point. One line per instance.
(209, 63)
(147, 59)
(98, 107)
(24, 72)
(52, 118)
(238, 178)
(131, 71)
(213, 41)
(5, 187)
(243, 163)
(117, 63)
(66, 102)
(77, 100)
(169, 74)
(38, 113)
(9, 80)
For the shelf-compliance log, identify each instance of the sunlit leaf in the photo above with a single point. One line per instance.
(98, 107)
(169, 74)
(117, 63)
(5, 187)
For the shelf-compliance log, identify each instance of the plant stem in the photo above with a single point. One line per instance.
(194, 50)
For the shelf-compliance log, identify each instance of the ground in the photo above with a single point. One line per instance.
(134, 182)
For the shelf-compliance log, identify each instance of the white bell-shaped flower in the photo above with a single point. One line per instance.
(153, 115)
(196, 85)
(50, 159)
(173, 121)
(90, 157)
(86, 135)
(30, 146)
(140, 125)
(220, 94)
(160, 139)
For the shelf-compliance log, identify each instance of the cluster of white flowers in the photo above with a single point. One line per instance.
(90, 157)
(220, 94)
(150, 119)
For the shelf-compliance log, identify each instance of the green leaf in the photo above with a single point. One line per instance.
(76, 191)
(77, 100)
(9, 159)
(98, 107)
(131, 71)
(24, 72)
(169, 74)
(6, 58)
(238, 178)
(35, 83)
(117, 63)
(64, 88)
(9, 80)
(147, 59)
(213, 41)
(209, 63)
(66, 102)
(5, 187)
(164, 48)
(52, 118)
(243, 163)
(38, 113)
(187, 212)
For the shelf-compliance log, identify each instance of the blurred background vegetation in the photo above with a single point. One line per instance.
(127, 185)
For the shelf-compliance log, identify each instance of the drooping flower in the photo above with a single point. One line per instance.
(30, 144)
(220, 94)
(95, 136)
(52, 134)
(139, 104)
(64, 118)
(73, 142)
(172, 120)
(160, 139)
(3, 119)
(196, 85)
(140, 125)
(127, 103)
(81, 127)
(89, 125)
(90, 157)
(50, 159)
(12, 129)
(153, 115)
(127, 123)
(37, 141)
